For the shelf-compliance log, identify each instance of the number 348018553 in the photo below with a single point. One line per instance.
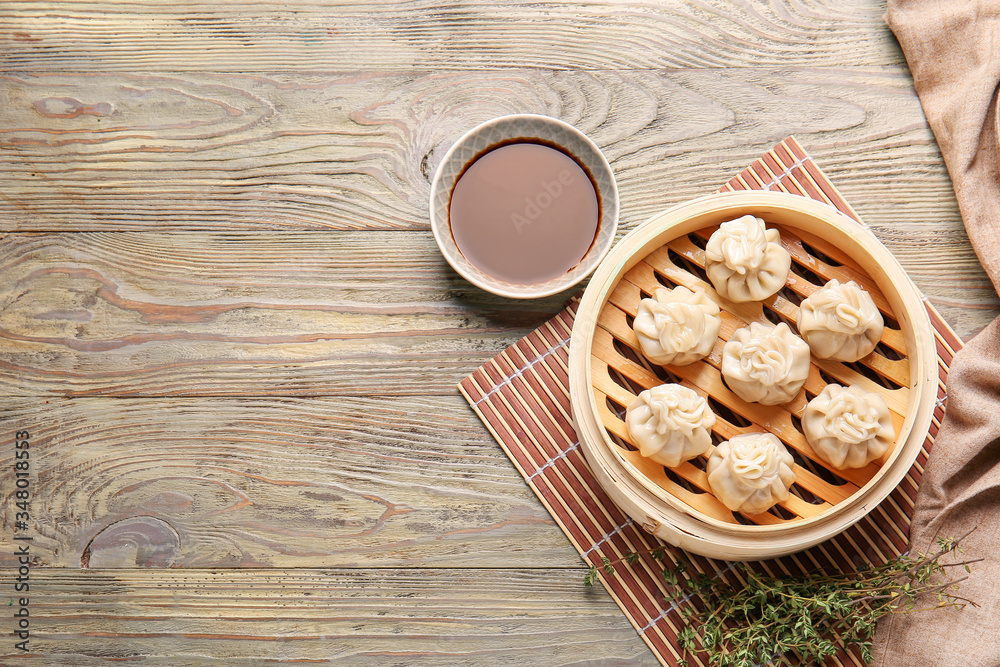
(22, 469)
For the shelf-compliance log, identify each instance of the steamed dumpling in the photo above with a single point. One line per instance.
(745, 261)
(840, 321)
(677, 326)
(847, 426)
(751, 472)
(764, 363)
(670, 424)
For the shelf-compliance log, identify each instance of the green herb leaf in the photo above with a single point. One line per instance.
(798, 620)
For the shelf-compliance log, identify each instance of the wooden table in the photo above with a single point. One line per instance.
(234, 345)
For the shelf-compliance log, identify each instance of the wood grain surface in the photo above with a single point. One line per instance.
(281, 313)
(383, 618)
(143, 35)
(226, 324)
(137, 314)
(284, 482)
(357, 151)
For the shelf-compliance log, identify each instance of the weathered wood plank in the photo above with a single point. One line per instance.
(230, 36)
(946, 269)
(346, 617)
(280, 483)
(207, 152)
(283, 313)
(244, 314)
(357, 151)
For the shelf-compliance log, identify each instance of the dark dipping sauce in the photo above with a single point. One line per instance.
(524, 213)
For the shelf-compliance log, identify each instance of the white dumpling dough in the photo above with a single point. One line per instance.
(670, 424)
(677, 326)
(764, 363)
(745, 261)
(751, 472)
(847, 426)
(840, 321)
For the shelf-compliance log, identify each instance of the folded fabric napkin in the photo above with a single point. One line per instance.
(953, 50)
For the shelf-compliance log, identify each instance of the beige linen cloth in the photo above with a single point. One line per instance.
(953, 50)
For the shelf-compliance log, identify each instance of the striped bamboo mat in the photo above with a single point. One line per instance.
(522, 396)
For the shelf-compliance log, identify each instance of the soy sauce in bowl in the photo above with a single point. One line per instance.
(524, 212)
(524, 206)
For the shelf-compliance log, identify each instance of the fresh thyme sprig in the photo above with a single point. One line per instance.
(794, 620)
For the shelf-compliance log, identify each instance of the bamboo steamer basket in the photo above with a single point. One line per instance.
(607, 370)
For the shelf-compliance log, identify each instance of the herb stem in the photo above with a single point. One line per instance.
(798, 620)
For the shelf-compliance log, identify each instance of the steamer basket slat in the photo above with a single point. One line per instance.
(608, 370)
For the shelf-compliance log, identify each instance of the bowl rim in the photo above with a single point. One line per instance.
(677, 522)
(441, 228)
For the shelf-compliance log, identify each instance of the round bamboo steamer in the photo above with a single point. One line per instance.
(607, 370)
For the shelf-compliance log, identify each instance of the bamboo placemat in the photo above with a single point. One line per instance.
(522, 396)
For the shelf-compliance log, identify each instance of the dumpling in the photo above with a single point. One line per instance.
(677, 326)
(848, 427)
(840, 321)
(764, 363)
(751, 472)
(745, 261)
(670, 424)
